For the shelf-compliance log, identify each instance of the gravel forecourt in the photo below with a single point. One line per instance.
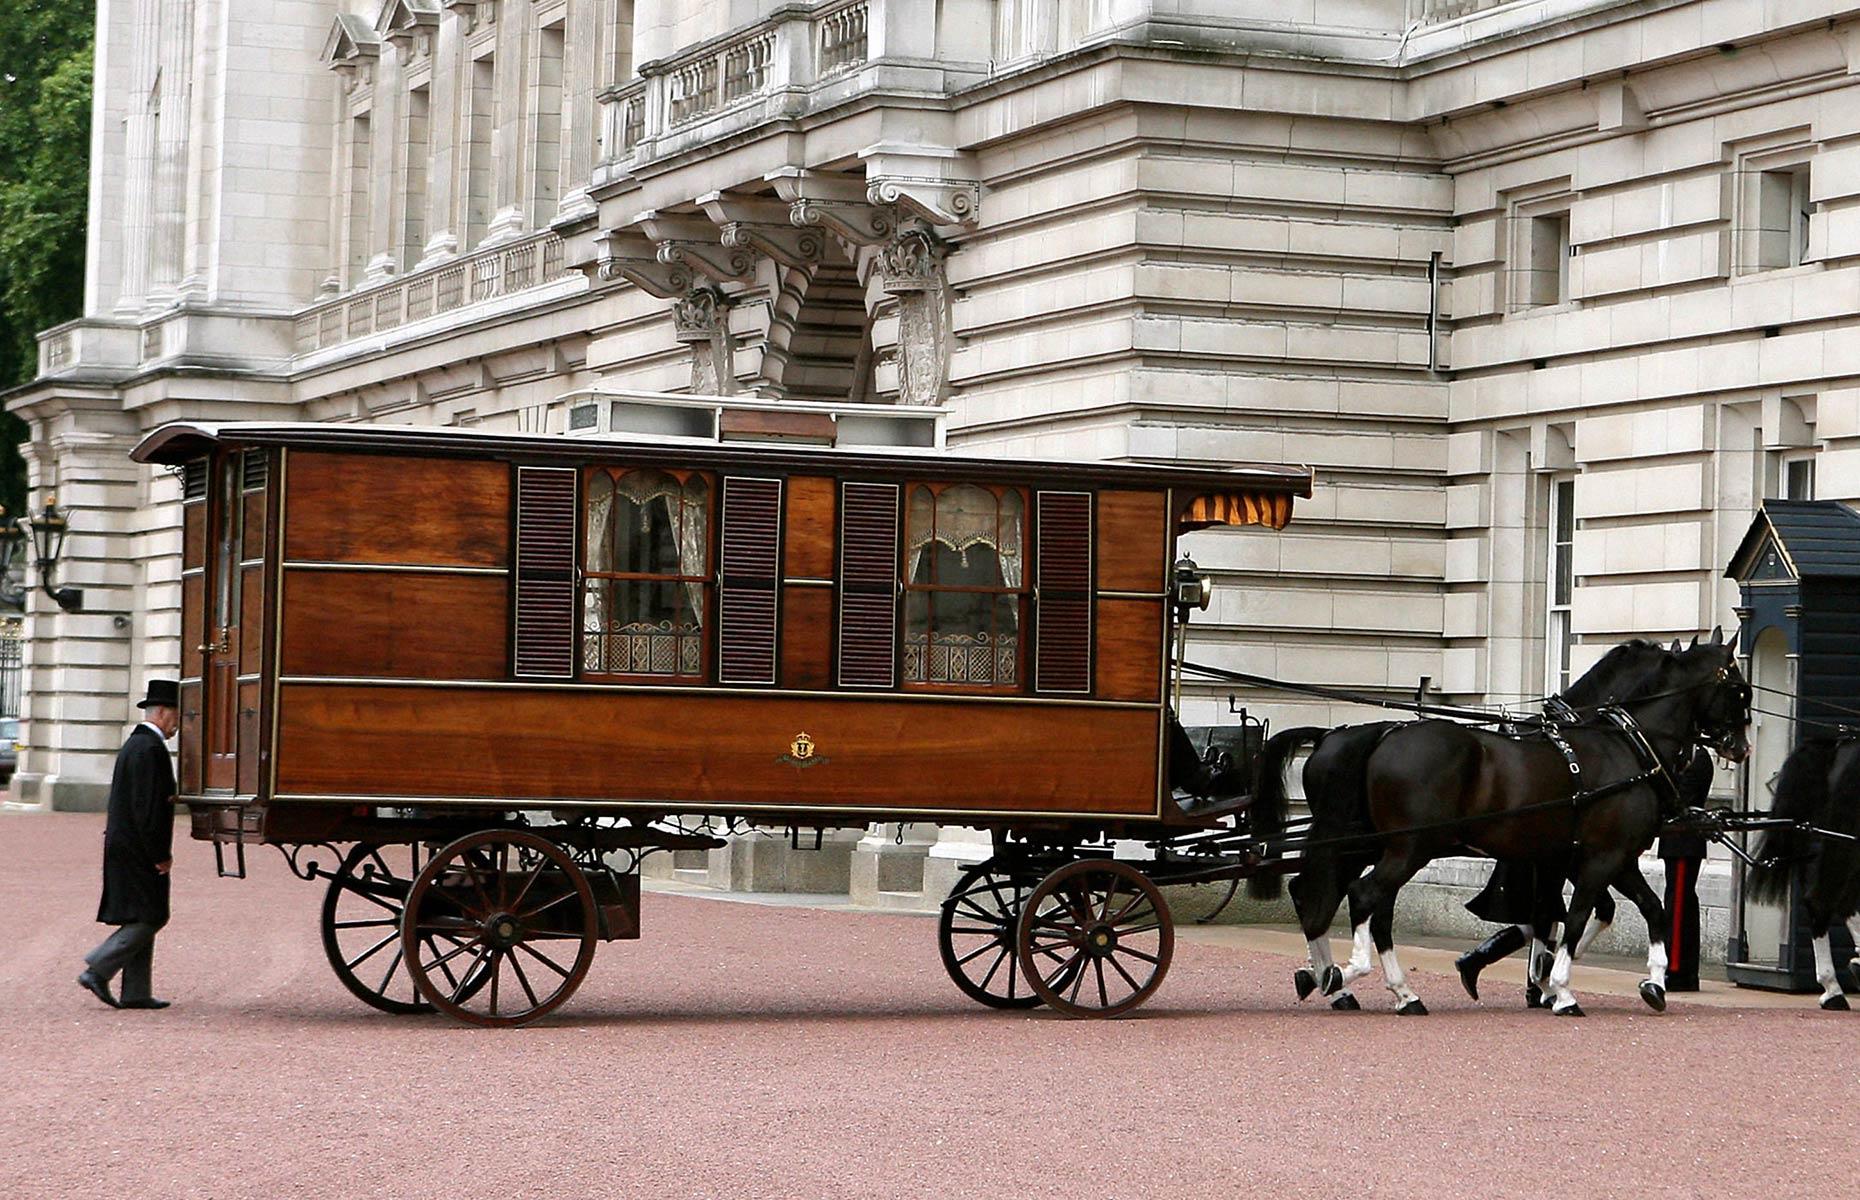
(745, 1051)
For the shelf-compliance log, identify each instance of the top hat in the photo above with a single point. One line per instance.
(163, 693)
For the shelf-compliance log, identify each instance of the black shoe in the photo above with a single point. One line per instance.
(150, 1002)
(98, 988)
(1505, 942)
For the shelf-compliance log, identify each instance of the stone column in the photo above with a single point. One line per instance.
(172, 135)
(888, 866)
(507, 139)
(139, 167)
(79, 668)
(957, 848)
(449, 78)
(581, 71)
(385, 149)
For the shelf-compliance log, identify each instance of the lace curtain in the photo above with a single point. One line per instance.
(961, 518)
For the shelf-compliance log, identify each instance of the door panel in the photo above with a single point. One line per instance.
(225, 545)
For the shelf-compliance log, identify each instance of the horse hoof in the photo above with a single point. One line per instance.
(1534, 996)
(1469, 977)
(1834, 1003)
(1345, 1003)
(1653, 994)
(1304, 983)
(1414, 1008)
(1574, 1010)
(1333, 981)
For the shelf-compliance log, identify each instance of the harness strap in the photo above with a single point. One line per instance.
(1671, 802)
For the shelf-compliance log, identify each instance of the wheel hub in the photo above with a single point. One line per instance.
(502, 930)
(1100, 940)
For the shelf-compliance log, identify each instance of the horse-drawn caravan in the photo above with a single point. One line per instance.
(501, 670)
(473, 680)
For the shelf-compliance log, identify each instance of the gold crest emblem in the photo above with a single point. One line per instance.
(801, 752)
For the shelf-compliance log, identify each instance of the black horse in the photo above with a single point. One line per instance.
(1819, 784)
(1432, 788)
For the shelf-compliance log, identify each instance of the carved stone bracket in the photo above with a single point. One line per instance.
(693, 241)
(623, 254)
(700, 320)
(761, 226)
(408, 25)
(834, 202)
(910, 267)
(351, 49)
(938, 201)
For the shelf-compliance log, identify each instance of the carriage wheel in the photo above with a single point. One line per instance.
(1095, 938)
(975, 936)
(361, 928)
(519, 918)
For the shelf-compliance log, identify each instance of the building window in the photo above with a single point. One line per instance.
(646, 568)
(1782, 218)
(1559, 634)
(964, 585)
(1547, 239)
(1791, 476)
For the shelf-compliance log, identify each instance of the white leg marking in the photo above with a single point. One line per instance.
(1321, 960)
(1359, 956)
(1395, 979)
(1558, 984)
(1540, 954)
(1824, 968)
(1853, 931)
(1597, 927)
(1656, 963)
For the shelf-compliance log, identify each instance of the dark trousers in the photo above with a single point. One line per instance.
(1682, 916)
(131, 950)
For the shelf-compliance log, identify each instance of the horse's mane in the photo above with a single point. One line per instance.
(1621, 673)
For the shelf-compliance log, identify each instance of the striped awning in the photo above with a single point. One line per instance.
(1271, 509)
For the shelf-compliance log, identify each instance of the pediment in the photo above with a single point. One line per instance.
(401, 19)
(351, 42)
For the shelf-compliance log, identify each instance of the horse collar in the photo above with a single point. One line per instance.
(1650, 760)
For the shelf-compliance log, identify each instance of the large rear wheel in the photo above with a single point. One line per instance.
(361, 926)
(500, 928)
(1095, 938)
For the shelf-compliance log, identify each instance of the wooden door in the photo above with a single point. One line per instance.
(222, 645)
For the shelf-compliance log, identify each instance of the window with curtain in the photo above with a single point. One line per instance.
(646, 573)
(964, 585)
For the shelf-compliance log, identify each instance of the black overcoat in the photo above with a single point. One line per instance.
(139, 832)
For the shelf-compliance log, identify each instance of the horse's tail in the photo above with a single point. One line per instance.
(1801, 795)
(1266, 813)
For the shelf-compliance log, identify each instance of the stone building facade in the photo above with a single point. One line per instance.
(1550, 292)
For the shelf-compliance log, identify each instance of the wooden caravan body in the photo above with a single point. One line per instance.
(438, 619)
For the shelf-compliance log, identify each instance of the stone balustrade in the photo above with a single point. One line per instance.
(1433, 12)
(493, 272)
(788, 55)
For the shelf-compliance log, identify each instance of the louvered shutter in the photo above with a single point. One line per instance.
(545, 577)
(751, 574)
(868, 585)
(1063, 596)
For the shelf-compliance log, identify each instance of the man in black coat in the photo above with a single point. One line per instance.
(138, 840)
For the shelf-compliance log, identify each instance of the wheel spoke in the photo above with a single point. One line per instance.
(443, 968)
(399, 953)
(449, 955)
(544, 959)
(525, 981)
(364, 924)
(370, 952)
(1064, 965)
(1078, 981)
(1148, 958)
(570, 894)
(991, 931)
(996, 966)
(1128, 978)
(1104, 1000)
(1152, 927)
(529, 883)
(1125, 911)
(977, 953)
(1110, 894)
(471, 973)
(497, 971)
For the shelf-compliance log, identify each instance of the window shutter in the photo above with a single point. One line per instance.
(1062, 591)
(545, 577)
(868, 585)
(750, 575)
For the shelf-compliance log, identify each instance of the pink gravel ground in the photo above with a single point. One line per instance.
(749, 1051)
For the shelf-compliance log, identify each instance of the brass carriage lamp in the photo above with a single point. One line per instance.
(1192, 588)
(46, 535)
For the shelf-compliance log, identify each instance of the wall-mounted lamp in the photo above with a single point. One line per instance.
(45, 533)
